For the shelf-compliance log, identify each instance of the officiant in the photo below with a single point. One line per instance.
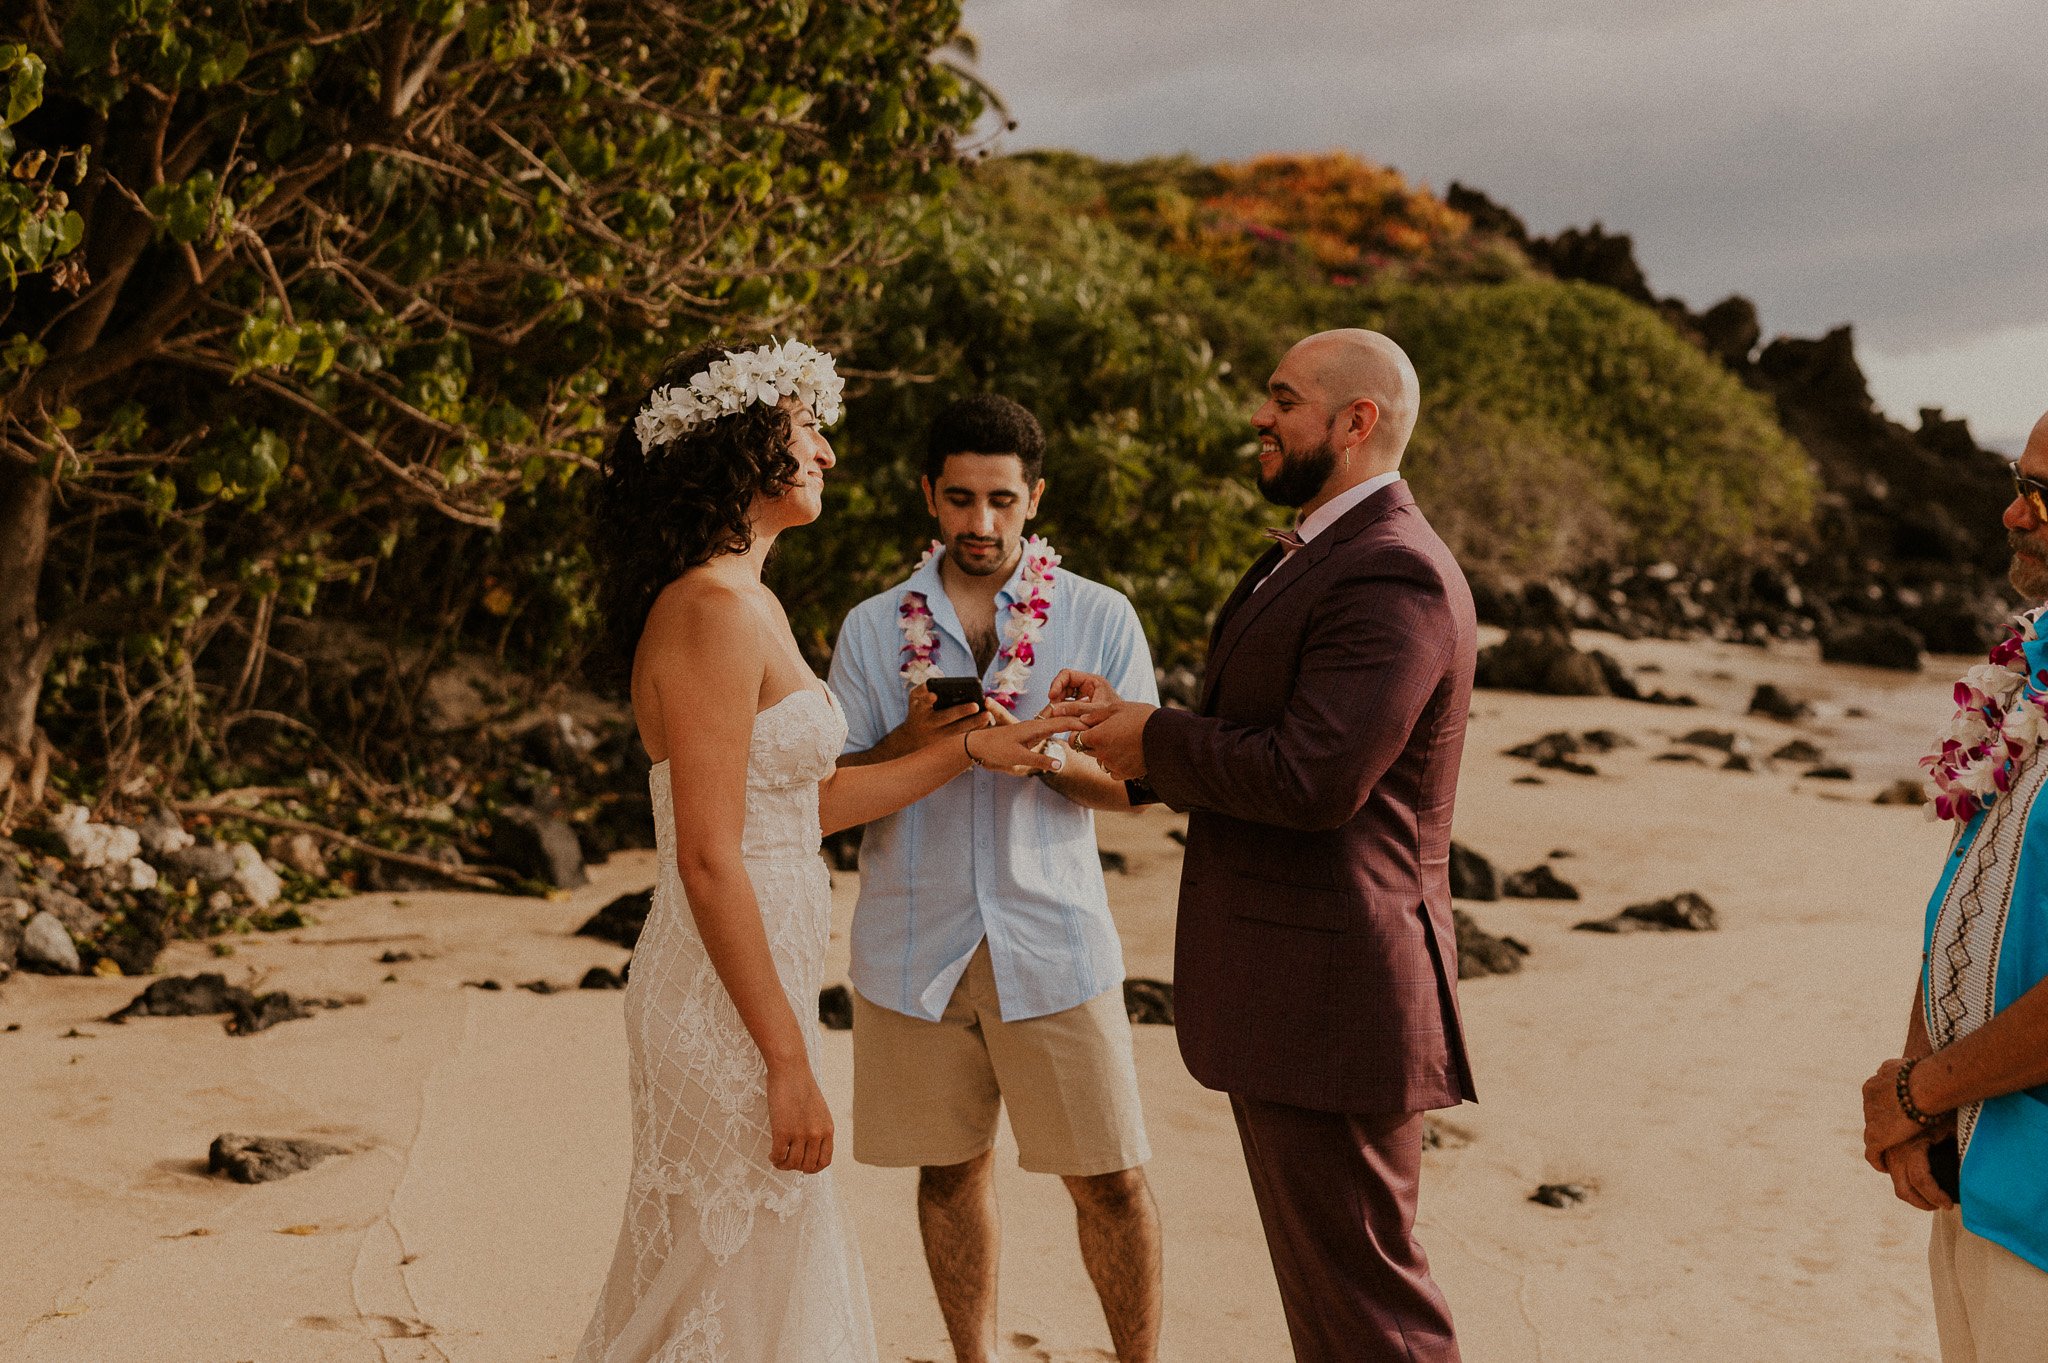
(986, 969)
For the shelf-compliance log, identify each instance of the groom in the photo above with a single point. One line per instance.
(1315, 965)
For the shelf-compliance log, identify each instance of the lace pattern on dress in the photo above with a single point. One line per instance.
(783, 1288)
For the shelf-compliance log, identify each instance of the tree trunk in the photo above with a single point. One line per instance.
(24, 647)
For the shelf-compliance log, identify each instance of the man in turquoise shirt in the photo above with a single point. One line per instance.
(1960, 1121)
(986, 968)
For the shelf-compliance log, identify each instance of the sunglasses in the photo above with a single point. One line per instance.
(2033, 492)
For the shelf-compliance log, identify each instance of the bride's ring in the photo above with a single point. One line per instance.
(1076, 744)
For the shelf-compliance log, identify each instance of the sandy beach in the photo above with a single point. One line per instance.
(1702, 1086)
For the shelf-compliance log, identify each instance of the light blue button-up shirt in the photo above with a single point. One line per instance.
(986, 856)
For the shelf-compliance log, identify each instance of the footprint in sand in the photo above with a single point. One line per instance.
(370, 1327)
(1032, 1350)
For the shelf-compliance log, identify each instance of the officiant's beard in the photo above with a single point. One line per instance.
(1300, 476)
(2029, 571)
(986, 562)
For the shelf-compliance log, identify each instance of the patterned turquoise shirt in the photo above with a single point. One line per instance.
(1987, 944)
(987, 857)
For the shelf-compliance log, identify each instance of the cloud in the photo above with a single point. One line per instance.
(1886, 165)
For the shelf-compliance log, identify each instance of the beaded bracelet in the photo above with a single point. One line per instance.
(1904, 1087)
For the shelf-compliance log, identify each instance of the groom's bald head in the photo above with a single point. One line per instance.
(1352, 363)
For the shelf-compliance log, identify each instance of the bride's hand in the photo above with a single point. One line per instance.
(799, 1122)
(1015, 747)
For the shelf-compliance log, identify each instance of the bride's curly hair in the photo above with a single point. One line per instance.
(658, 512)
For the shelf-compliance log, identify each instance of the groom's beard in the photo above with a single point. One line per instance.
(1300, 476)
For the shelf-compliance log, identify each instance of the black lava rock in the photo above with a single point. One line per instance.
(1115, 861)
(1904, 791)
(538, 846)
(1798, 750)
(1538, 882)
(253, 1015)
(598, 977)
(1472, 876)
(621, 920)
(1149, 1002)
(618, 822)
(1874, 643)
(1561, 743)
(261, 1159)
(1685, 912)
(1830, 773)
(1541, 660)
(1480, 953)
(1773, 703)
(1561, 1195)
(183, 996)
(835, 1008)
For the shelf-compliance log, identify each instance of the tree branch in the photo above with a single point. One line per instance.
(368, 849)
(383, 461)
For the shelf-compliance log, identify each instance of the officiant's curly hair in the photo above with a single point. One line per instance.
(683, 503)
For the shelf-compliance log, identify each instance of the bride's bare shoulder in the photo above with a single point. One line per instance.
(700, 608)
(704, 633)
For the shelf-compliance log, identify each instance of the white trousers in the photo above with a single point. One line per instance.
(1990, 1305)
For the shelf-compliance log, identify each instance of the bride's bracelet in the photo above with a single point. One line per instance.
(968, 748)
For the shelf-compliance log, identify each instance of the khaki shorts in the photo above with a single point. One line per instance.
(927, 1093)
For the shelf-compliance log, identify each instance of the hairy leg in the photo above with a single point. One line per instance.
(956, 1213)
(1120, 1245)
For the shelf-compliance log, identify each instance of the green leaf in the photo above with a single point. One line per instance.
(24, 81)
(20, 352)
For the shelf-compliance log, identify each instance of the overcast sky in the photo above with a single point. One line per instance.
(1884, 164)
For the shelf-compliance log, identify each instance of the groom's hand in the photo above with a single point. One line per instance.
(1116, 739)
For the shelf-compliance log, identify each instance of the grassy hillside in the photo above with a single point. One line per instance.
(1137, 310)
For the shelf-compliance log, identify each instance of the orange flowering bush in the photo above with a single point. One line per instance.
(1347, 215)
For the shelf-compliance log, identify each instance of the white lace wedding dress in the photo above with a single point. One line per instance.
(723, 1258)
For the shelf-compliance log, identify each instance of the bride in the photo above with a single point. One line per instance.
(735, 1248)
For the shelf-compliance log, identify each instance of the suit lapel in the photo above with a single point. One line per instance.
(1253, 576)
(1245, 603)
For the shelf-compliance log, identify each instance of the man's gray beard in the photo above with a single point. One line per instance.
(1301, 476)
(2027, 573)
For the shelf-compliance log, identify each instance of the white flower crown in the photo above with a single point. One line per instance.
(766, 374)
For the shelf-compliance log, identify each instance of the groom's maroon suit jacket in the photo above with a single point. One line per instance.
(1316, 961)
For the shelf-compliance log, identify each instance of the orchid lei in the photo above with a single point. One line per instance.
(766, 374)
(1023, 627)
(2000, 721)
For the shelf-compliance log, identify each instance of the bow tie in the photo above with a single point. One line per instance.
(1288, 539)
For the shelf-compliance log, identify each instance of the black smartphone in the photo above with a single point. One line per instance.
(950, 691)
